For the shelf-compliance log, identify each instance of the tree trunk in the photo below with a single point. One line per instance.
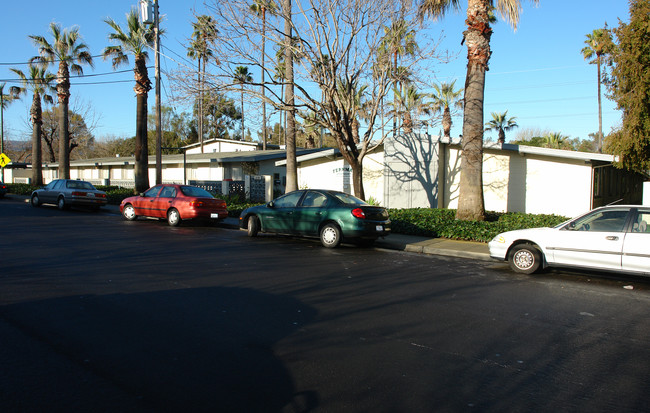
(37, 152)
(471, 205)
(265, 132)
(600, 111)
(446, 122)
(141, 170)
(63, 92)
(357, 180)
(292, 167)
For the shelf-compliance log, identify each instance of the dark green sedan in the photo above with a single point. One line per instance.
(332, 216)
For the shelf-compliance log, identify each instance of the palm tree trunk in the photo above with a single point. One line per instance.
(37, 152)
(265, 132)
(142, 87)
(471, 204)
(63, 92)
(446, 122)
(292, 167)
(600, 110)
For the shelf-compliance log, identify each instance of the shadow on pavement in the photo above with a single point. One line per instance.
(207, 349)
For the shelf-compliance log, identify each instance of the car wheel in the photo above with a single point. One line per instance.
(253, 226)
(60, 203)
(36, 202)
(129, 213)
(524, 258)
(330, 236)
(173, 218)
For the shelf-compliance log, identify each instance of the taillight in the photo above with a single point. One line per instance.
(78, 194)
(196, 203)
(358, 213)
(100, 195)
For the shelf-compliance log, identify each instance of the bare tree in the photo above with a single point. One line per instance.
(340, 74)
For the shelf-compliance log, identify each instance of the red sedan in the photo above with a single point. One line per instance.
(175, 203)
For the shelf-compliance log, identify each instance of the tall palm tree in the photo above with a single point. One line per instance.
(242, 76)
(398, 40)
(41, 83)
(501, 123)
(471, 204)
(261, 7)
(205, 29)
(135, 40)
(71, 53)
(597, 47)
(444, 99)
(5, 100)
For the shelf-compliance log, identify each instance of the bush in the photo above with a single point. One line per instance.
(443, 223)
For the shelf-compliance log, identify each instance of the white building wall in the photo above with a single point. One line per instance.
(525, 183)
(646, 193)
(224, 146)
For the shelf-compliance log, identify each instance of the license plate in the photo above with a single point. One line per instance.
(91, 195)
(214, 215)
(380, 228)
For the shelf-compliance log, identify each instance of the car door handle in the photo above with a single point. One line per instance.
(612, 238)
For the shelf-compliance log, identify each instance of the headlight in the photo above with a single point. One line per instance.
(500, 239)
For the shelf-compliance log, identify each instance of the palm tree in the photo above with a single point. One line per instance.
(501, 123)
(204, 30)
(408, 103)
(5, 100)
(555, 140)
(40, 82)
(598, 43)
(136, 40)
(260, 7)
(445, 98)
(242, 76)
(398, 40)
(71, 53)
(471, 204)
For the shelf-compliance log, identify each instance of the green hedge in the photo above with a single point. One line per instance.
(442, 223)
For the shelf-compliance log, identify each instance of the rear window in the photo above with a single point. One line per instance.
(195, 191)
(348, 199)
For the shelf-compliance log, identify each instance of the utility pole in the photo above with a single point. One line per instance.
(158, 109)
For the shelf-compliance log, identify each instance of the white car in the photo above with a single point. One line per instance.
(613, 238)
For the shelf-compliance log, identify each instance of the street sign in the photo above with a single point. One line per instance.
(4, 160)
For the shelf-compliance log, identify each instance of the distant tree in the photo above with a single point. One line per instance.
(204, 30)
(242, 76)
(70, 53)
(629, 87)
(501, 123)
(446, 98)
(78, 132)
(409, 105)
(598, 46)
(555, 140)
(40, 82)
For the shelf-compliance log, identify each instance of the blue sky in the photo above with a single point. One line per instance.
(537, 73)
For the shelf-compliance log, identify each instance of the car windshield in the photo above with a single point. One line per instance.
(195, 191)
(348, 199)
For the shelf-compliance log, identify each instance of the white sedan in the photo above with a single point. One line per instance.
(613, 238)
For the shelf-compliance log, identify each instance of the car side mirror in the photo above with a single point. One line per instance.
(141, 194)
(270, 204)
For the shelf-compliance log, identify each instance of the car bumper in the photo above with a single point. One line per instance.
(215, 214)
(87, 201)
(367, 229)
(498, 250)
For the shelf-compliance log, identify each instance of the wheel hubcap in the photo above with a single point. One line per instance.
(524, 259)
(329, 235)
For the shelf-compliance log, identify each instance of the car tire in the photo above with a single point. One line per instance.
(330, 236)
(253, 226)
(60, 203)
(129, 213)
(524, 259)
(35, 201)
(173, 217)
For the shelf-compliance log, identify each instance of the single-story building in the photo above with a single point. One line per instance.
(409, 171)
